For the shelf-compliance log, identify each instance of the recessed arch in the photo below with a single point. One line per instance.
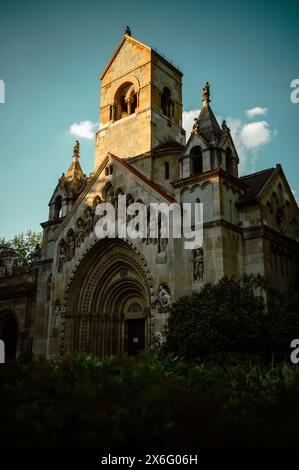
(57, 207)
(195, 187)
(125, 99)
(196, 160)
(114, 275)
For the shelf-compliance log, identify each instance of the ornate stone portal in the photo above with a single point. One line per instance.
(101, 301)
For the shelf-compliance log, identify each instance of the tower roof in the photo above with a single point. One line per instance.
(206, 124)
(128, 37)
(74, 177)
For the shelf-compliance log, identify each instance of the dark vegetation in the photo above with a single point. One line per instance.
(223, 379)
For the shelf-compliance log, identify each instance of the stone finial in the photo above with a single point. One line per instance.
(224, 126)
(195, 125)
(206, 94)
(77, 149)
(128, 31)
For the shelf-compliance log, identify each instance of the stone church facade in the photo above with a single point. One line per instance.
(114, 295)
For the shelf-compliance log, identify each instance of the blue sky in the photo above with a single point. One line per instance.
(51, 55)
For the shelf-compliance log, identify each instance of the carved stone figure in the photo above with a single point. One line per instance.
(77, 148)
(57, 310)
(89, 221)
(206, 93)
(79, 233)
(198, 266)
(195, 125)
(163, 244)
(56, 319)
(71, 246)
(224, 126)
(164, 297)
(61, 256)
(110, 197)
(157, 339)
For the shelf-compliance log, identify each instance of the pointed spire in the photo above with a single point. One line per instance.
(206, 94)
(206, 124)
(74, 177)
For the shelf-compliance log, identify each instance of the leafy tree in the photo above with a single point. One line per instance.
(283, 320)
(24, 245)
(226, 317)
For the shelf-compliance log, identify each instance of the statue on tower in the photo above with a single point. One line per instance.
(77, 149)
(128, 31)
(206, 94)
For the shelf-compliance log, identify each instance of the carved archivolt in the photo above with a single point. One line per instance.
(100, 256)
(110, 276)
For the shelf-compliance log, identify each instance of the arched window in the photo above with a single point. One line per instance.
(57, 207)
(167, 104)
(280, 193)
(229, 160)
(196, 160)
(125, 102)
(166, 170)
(269, 207)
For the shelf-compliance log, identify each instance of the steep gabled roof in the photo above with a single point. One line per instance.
(255, 182)
(125, 38)
(207, 125)
(155, 53)
(143, 178)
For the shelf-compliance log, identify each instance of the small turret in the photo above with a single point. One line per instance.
(74, 179)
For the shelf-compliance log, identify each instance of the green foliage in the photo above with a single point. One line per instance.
(283, 321)
(24, 245)
(226, 317)
(148, 402)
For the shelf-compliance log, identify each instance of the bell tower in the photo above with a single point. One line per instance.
(141, 102)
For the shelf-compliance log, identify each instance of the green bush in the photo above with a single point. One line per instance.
(148, 402)
(230, 317)
(226, 317)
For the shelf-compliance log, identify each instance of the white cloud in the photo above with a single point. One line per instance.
(188, 120)
(83, 129)
(257, 111)
(256, 134)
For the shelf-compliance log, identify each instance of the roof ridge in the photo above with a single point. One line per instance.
(149, 182)
(258, 172)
